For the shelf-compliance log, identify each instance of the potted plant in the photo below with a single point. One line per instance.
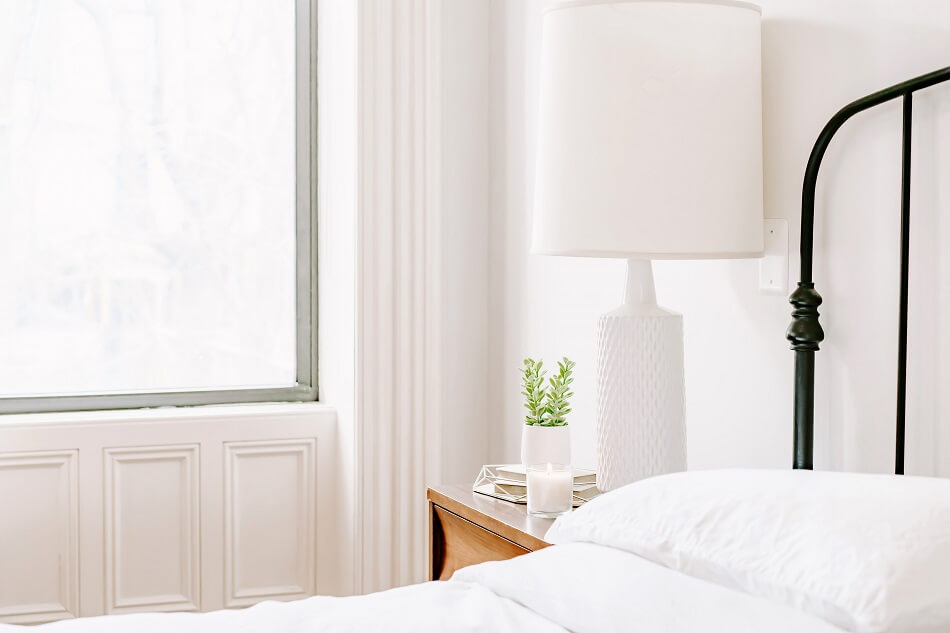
(546, 438)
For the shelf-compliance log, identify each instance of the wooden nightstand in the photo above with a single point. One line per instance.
(466, 528)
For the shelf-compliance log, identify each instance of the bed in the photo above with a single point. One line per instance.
(726, 551)
(714, 552)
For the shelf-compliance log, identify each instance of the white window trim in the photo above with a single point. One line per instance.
(258, 410)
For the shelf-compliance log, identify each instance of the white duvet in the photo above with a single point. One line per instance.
(578, 587)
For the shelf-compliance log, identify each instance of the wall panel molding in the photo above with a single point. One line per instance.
(152, 546)
(270, 518)
(40, 492)
(127, 513)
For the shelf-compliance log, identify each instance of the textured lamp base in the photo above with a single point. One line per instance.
(641, 426)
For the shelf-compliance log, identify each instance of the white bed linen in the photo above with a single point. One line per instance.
(590, 588)
(433, 607)
(581, 587)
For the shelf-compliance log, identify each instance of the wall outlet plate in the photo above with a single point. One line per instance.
(773, 267)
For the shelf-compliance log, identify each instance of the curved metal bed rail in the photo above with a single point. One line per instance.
(805, 331)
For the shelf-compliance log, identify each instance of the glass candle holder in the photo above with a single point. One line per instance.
(550, 489)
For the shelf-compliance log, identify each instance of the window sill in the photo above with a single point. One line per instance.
(321, 411)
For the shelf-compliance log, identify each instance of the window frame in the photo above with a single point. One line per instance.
(305, 389)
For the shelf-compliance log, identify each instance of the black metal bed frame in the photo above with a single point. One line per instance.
(805, 332)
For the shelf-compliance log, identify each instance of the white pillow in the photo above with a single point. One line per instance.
(868, 553)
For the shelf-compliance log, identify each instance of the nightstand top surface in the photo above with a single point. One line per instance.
(510, 520)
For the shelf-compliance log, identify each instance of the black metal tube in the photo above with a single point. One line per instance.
(804, 448)
(905, 273)
(824, 139)
(805, 332)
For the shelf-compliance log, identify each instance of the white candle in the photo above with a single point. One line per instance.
(550, 489)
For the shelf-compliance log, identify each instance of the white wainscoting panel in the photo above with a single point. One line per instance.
(39, 536)
(178, 509)
(269, 520)
(151, 523)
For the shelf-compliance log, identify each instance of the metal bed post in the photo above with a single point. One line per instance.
(805, 333)
(905, 266)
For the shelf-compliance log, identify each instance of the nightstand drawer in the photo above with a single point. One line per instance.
(457, 543)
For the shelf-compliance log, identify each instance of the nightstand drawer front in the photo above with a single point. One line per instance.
(458, 543)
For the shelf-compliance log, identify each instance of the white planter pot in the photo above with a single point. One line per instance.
(545, 445)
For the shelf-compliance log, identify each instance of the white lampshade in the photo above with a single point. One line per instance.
(650, 130)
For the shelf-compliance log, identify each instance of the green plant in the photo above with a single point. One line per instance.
(532, 385)
(547, 405)
(557, 400)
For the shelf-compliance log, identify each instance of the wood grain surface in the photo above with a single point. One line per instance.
(466, 528)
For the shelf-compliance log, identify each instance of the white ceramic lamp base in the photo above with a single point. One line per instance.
(641, 425)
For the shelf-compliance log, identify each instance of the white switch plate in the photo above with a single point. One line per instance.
(773, 267)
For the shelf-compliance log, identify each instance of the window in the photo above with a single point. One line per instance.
(157, 221)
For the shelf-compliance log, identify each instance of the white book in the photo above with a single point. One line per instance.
(516, 473)
(507, 481)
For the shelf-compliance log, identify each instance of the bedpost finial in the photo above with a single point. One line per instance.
(805, 332)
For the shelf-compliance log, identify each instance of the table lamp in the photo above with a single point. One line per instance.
(649, 147)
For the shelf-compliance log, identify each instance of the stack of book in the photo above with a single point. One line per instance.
(508, 482)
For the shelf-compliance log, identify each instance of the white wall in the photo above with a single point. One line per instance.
(337, 224)
(465, 234)
(817, 56)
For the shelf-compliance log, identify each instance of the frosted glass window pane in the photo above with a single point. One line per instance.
(147, 195)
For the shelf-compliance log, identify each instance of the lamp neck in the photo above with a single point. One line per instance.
(640, 289)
